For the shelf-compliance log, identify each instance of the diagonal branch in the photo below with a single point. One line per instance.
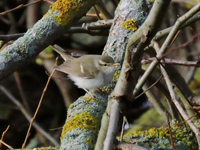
(132, 64)
(166, 44)
(176, 102)
(60, 17)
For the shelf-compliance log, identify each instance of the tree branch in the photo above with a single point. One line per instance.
(180, 21)
(60, 17)
(132, 61)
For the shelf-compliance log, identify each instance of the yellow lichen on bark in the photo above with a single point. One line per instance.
(88, 99)
(85, 121)
(179, 133)
(67, 9)
(130, 24)
(116, 76)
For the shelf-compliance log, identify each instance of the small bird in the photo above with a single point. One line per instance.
(88, 72)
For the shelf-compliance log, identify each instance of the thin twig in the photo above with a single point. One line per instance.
(149, 88)
(196, 107)
(18, 7)
(92, 28)
(96, 11)
(27, 115)
(164, 32)
(180, 46)
(48, 1)
(10, 147)
(172, 62)
(180, 21)
(160, 108)
(175, 101)
(160, 86)
(178, 124)
(170, 132)
(4, 132)
(21, 91)
(175, 37)
(178, 105)
(104, 13)
(122, 132)
(40, 102)
(92, 15)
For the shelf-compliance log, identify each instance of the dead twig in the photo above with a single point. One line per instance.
(40, 102)
(170, 132)
(149, 88)
(18, 7)
(122, 132)
(10, 147)
(4, 134)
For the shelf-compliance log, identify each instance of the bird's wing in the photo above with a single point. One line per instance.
(79, 68)
(61, 51)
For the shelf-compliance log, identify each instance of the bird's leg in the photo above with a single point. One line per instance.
(89, 93)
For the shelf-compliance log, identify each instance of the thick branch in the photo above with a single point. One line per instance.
(132, 61)
(61, 15)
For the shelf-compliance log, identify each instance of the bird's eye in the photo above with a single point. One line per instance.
(105, 64)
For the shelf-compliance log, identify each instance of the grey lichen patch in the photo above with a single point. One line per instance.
(2, 65)
(86, 104)
(159, 138)
(34, 41)
(84, 141)
(83, 120)
(56, 13)
(27, 44)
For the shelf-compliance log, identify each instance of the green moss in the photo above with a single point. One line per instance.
(83, 121)
(130, 24)
(159, 138)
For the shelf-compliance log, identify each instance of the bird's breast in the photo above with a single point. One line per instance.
(99, 81)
